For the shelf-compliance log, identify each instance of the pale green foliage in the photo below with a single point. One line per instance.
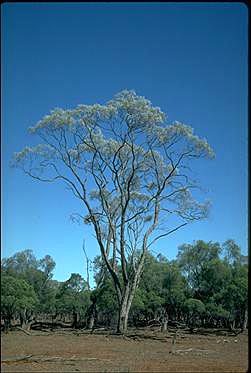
(232, 251)
(127, 165)
(178, 131)
(140, 114)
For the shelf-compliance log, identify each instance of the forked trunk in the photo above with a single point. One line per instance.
(26, 320)
(164, 324)
(126, 302)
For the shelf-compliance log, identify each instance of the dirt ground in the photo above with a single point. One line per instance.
(139, 352)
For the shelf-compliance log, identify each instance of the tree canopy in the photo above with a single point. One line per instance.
(130, 169)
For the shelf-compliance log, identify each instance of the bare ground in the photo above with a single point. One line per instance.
(140, 351)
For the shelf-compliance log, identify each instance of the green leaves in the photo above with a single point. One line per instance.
(16, 295)
(194, 307)
(72, 295)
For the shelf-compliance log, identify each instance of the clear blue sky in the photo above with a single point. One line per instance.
(188, 59)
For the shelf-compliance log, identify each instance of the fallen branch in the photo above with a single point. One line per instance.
(192, 350)
(141, 337)
(16, 359)
(24, 331)
(55, 359)
(49, 359)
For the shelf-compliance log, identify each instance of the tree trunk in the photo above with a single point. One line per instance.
(123, 319)
(244, 320)
(26, 320)
(7, 324)
(164, 325)
(245, 323)
(232, 325)
(75, 320)
(164, 322)
(91, 314)
(91, 321)
(124, 308)
(127, 298)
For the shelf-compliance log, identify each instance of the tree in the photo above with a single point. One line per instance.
(106, 307)
(194, 310)
(221, 284)
(20, 263)
(130, 171)
(193, 259)
(149, 300)
(233, 296)
(37, 273)
(174, 291)
(73, 298)
(17, 296)
(232, 251)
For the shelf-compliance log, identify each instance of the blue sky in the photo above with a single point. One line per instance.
(188, 59)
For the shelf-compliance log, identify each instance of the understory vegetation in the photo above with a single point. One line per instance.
(205, 286)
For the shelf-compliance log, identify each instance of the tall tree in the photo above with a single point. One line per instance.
(131, 172)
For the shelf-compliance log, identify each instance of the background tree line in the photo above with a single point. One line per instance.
(205, 286)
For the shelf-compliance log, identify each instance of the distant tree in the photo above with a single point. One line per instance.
(161, 292)
(221, 284)
(47, 264)
(73, 298)
(17, 297)
(193, 259)
(149, 300)
(38, 273)
(19, 263)
(194, 309)
(215, 276)
(129, 170)
(174, 291)
(233, 297)
(106, 303)
(232, 251)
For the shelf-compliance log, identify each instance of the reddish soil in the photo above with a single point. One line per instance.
(111, 353)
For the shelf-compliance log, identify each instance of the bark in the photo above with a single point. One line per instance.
(27, 325)
(244, 320)
(75, 322)
(231, 325)
(125, 305)
(164, 324)
(124, 308)
(7, 324)
(23, 330)
(26, 320)
(164, 320)
(245, 323)
(91, 322)
(92, 315)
